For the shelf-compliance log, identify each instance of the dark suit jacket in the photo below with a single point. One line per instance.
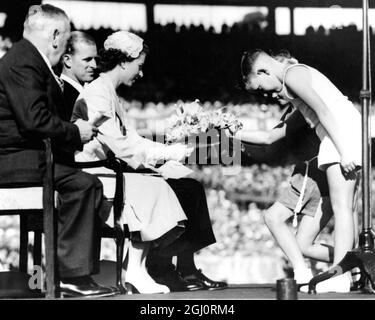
(70, 96)
(31, 109)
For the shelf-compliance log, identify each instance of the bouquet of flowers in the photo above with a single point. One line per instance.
(191, 119)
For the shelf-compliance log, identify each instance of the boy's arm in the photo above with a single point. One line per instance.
(262, 137)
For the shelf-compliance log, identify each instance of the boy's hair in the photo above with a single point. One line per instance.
(247, 61)
(250, 57)
(285, 55)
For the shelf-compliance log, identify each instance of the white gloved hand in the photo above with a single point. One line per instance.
(173, 170)
(177, 151)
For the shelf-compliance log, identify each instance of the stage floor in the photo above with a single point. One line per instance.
(243, 292)
(15, 285)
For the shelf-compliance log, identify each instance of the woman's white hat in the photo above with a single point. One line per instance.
(127, 42)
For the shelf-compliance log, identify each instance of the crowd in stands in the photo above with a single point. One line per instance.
(194, 63)
(5, 43)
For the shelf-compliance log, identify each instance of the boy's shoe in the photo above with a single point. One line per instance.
(338, 284)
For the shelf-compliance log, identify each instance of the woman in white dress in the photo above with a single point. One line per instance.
(338, 125)
(152, 210)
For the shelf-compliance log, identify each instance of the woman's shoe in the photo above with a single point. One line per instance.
(302, 276)
(131, 289)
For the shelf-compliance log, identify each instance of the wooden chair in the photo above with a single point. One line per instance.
(118, 232)
(14, 201)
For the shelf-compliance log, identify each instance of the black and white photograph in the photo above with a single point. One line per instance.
(186, 156)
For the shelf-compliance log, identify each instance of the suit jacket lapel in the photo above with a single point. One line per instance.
(54, 93)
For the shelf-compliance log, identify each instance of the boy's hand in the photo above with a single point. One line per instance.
(347, 163)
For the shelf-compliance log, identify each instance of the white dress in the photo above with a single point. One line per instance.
(348, 117)
(151, 206)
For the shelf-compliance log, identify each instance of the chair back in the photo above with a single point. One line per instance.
(24, 200)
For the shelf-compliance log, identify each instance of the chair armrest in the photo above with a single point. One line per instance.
(90, 164)
(111, 162)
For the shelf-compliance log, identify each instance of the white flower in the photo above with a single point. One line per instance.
(127, 42)
(192, 108)
(172, 120)
(179, 110)
(176, 134)
(204, 124)
(192, 119)
(215, 121)
(195, 129)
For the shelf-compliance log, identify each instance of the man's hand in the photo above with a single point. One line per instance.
(87, 131)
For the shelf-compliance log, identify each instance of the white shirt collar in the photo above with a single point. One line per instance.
(76, 85)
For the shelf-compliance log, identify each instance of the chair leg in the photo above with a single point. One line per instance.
(50, 234)
(120, 243)
(37, 249)
(50, 227)
(24, 242)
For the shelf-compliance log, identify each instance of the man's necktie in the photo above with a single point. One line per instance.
(60, 82)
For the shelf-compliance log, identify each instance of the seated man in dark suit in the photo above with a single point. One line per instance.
(30, 111)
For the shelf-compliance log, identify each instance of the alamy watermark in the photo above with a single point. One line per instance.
(214, 147)
(36, 280)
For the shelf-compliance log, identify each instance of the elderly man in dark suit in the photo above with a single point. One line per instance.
(31, 103)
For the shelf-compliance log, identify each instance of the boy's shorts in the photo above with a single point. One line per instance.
(316, 188)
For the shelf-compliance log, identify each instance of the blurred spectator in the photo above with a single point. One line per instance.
(5, 43)
(310, 31)
(321, 31)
